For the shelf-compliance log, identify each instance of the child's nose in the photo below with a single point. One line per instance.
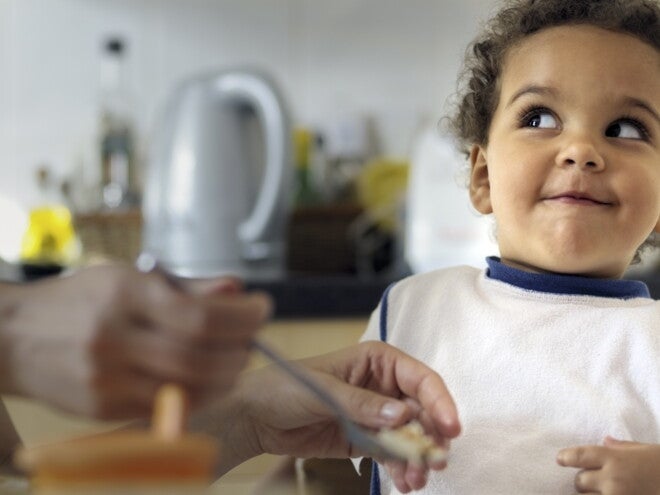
(581, 151)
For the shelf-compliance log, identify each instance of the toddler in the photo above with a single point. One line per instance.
(553, 359)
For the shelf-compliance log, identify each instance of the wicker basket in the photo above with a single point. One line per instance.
(114, 236)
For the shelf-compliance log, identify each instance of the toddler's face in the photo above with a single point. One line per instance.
(571, 171)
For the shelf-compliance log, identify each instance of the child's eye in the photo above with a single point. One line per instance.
(626, 129)
(540, 118)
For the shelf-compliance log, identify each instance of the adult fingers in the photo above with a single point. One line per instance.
(585, 457)
(416, 476)
(398, 474)
(367, 407)
(381, 367)
(126, 393)
(120, 393)
(223, 285)
(431, 429)
(419, 382)
(206, 318)
(169, 359)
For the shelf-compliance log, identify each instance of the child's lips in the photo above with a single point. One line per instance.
(578, 198)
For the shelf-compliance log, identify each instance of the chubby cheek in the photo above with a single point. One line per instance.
(511, 189)
(643, 198)
(655, 219)
(656, 195)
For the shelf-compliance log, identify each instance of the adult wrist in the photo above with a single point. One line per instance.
(230, 422)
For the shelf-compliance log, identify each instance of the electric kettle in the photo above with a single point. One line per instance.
(218, 188)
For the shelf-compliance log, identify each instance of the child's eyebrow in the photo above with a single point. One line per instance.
(532, 89)
(636, 102)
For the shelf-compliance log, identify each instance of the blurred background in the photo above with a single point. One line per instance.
(391, 61)
(84, 86)
(374, 188)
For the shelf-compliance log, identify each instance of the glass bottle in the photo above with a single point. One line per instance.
(117, 143)
(50, 242)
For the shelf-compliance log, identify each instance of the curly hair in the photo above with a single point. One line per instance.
(478, 89)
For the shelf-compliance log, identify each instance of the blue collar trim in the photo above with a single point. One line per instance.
(555, 283)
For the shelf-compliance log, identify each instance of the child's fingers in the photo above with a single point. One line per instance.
(585, 457)
(587, 481)
(407, 476)
(614, 442)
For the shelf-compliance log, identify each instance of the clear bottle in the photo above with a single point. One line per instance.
(117, 142)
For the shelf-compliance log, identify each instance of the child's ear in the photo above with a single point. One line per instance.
(479, 181)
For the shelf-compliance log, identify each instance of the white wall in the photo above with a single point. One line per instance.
(392, 60)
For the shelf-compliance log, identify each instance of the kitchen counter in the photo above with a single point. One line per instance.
(323, 296)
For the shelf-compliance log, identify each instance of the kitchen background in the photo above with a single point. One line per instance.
(339, 63)
(392, 61)
(344, 66)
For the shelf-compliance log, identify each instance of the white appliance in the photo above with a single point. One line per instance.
(218, 189)
(442, 227)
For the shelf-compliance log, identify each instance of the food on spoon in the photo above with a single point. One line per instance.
(410, 442)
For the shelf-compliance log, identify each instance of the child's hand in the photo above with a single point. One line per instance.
(615, 468)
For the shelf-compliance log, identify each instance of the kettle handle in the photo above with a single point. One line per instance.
(273, 195)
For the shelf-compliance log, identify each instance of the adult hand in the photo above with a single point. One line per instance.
(101, 341)
(377, 384)
(614, 468)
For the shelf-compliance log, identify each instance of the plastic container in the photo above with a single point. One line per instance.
(164, 460)
(442, 227)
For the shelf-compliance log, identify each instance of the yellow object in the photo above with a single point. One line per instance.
(50, 237)
(380, 187)
(302, 144)
(305, 194)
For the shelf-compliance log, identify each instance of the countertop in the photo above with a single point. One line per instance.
(324, 296)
